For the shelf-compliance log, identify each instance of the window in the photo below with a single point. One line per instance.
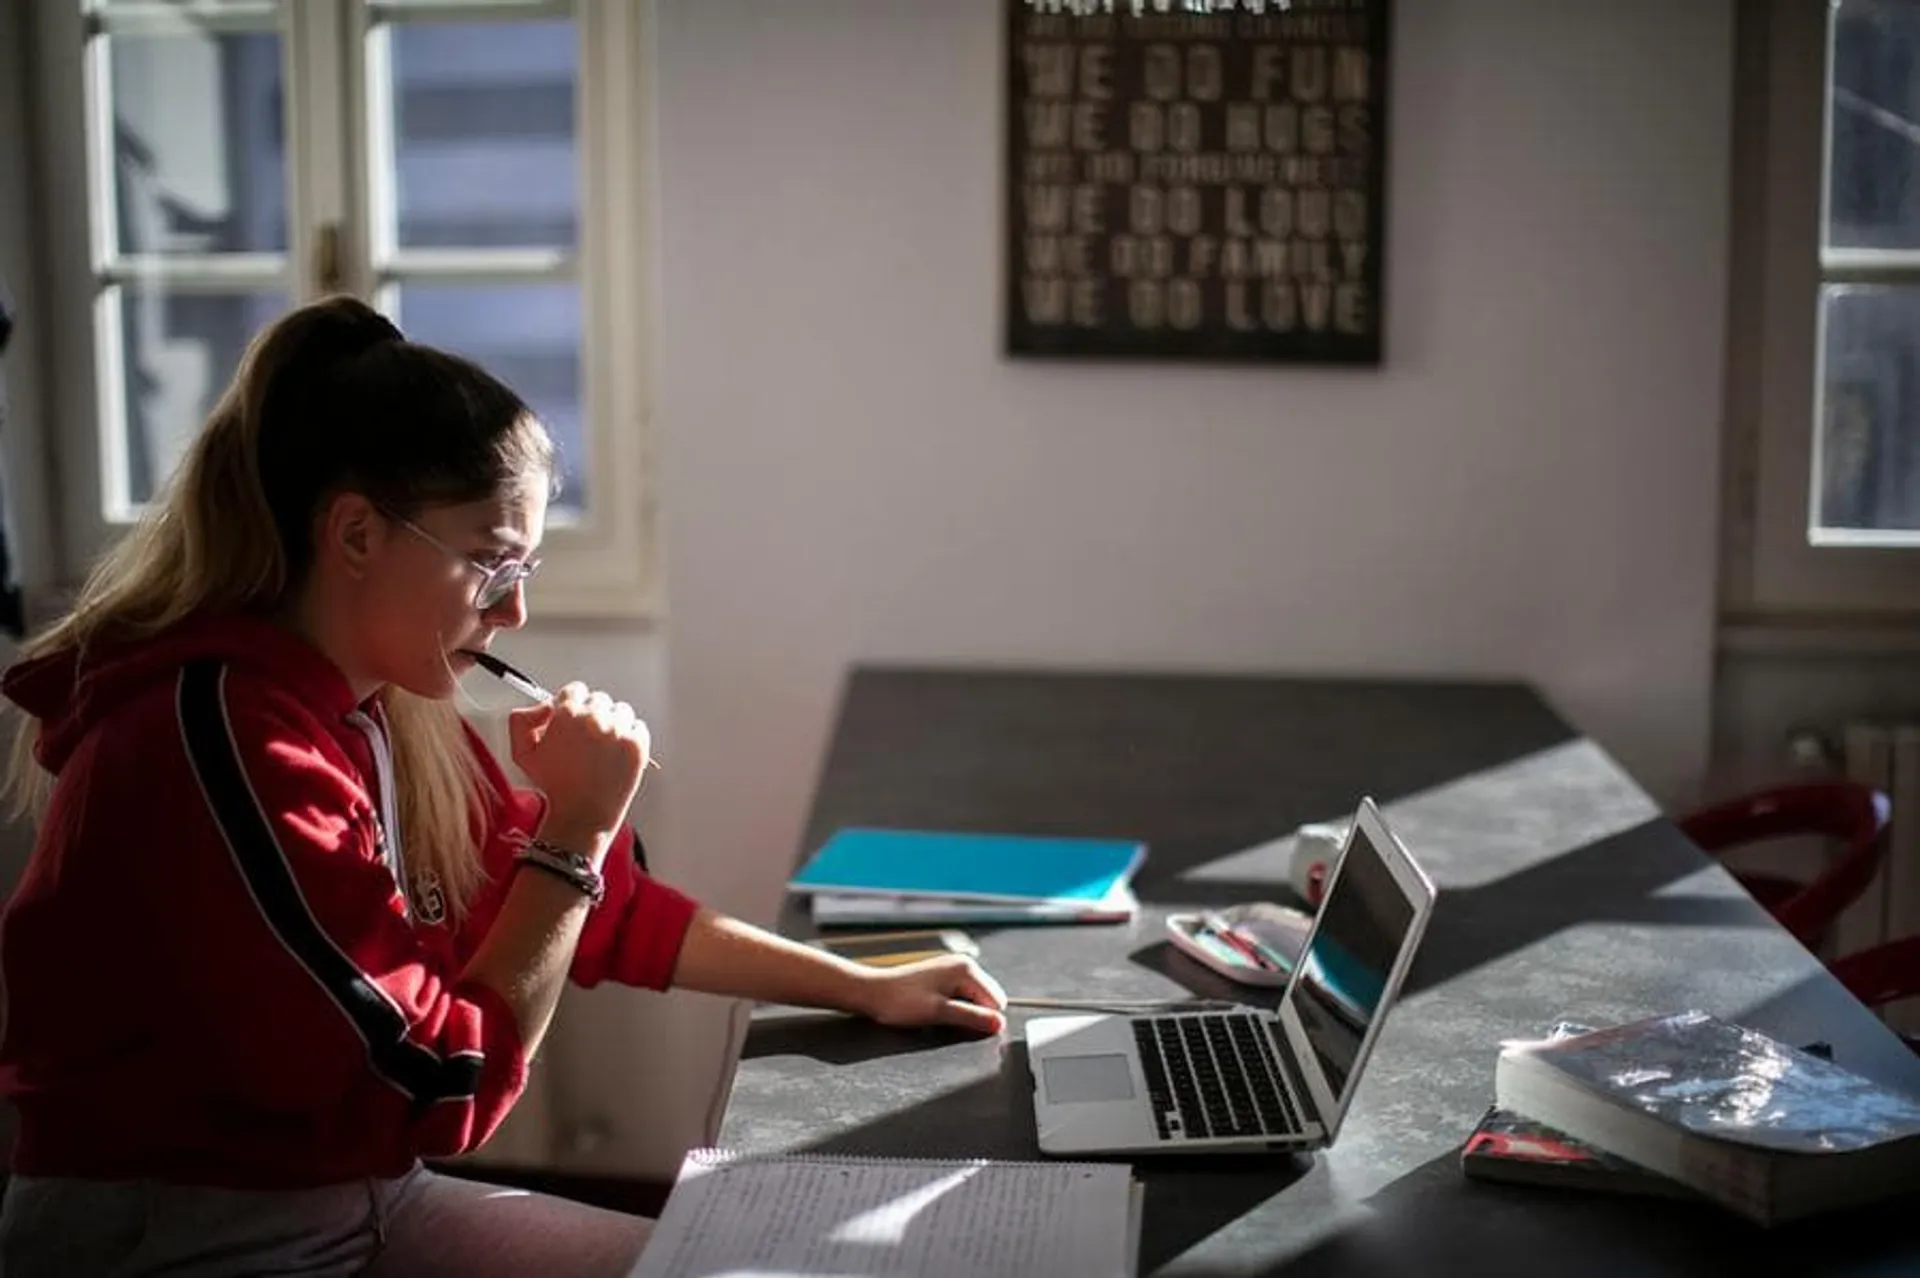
(1824, 381)
(1866, 485)
(471, 168)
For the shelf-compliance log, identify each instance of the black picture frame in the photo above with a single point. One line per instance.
(1201, 187)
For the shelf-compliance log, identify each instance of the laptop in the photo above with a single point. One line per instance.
(1246, 1079)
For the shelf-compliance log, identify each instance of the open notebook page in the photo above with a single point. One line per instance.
(824, 1215)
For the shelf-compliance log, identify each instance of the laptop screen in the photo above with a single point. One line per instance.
(1363, 923)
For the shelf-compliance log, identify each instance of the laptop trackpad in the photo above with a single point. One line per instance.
(1074, 1080)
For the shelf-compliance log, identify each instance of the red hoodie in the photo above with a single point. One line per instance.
(211, 975)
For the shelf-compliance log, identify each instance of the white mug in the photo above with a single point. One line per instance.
(1316, 846)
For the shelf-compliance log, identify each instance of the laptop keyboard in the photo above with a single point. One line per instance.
(1213, 1075)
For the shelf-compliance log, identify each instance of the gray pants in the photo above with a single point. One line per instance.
(420, 1223)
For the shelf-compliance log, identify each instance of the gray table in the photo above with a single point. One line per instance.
(1564, 893)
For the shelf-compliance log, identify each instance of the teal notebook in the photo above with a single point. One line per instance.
(1008, 867)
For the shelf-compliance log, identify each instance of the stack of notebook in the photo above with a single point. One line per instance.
(874, 876)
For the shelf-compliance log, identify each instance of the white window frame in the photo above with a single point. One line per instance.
(1773, 569)
(604, 564)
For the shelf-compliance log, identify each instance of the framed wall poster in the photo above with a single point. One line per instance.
(1197, 186)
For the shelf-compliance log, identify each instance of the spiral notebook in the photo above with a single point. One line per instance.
(776, 1216)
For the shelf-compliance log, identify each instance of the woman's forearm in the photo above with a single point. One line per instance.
(528, 951)
(723, 955)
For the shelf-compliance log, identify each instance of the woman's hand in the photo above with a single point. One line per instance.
(948, 990)
(586, 752)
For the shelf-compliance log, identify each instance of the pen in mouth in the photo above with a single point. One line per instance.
(513, 678)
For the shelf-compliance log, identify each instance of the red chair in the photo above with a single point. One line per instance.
(1848, 812)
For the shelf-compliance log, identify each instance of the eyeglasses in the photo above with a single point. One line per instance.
(497, 580)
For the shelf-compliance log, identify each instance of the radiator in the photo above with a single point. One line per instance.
(1887, 756)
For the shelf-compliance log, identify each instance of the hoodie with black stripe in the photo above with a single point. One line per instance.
(212, 973)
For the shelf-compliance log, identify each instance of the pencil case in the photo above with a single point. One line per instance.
(1276, 933)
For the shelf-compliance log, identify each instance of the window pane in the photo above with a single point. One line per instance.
(527, 335)
(1873, 199)
(179, 350)
(1869, 410)
(198, 149)
(483, 134)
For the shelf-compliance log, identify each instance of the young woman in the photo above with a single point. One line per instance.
(288, 928)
